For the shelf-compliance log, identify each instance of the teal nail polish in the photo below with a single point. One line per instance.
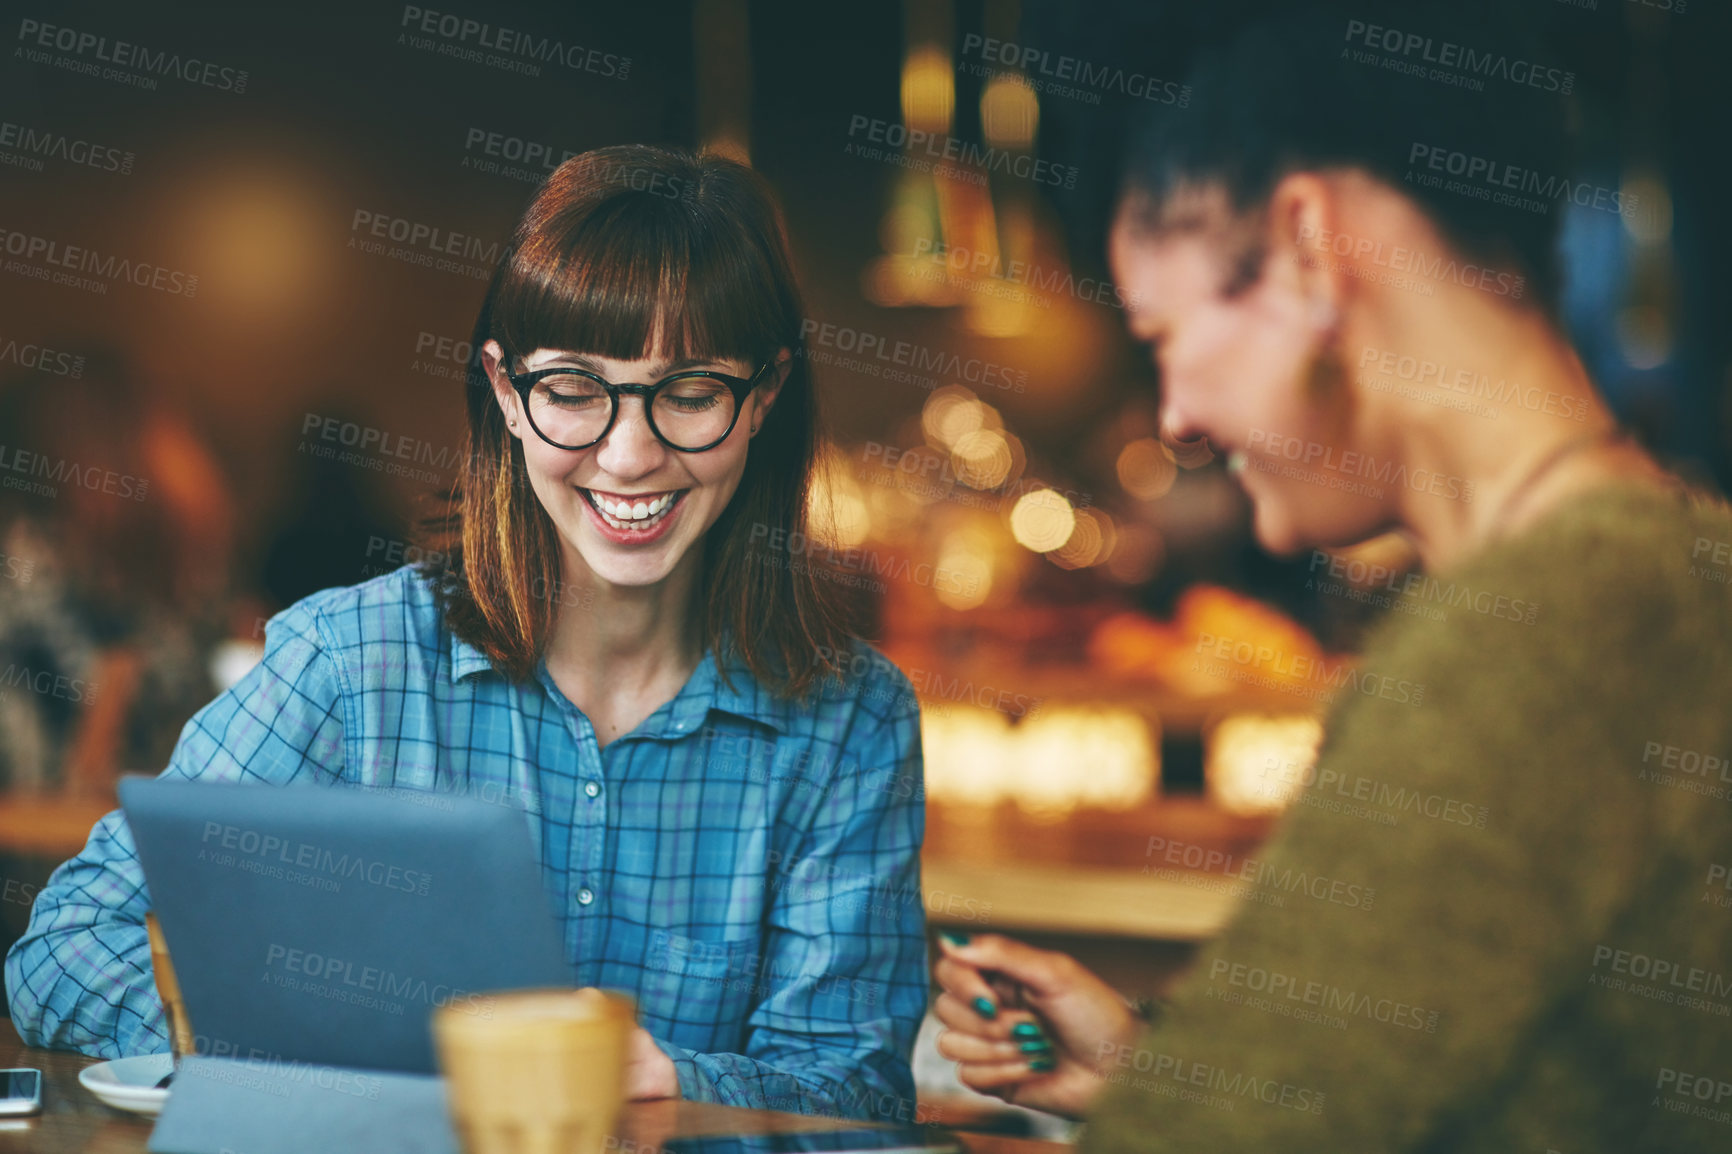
(954, 938)
(1041, 1065)
(985, 1008)
(1026, 1030)
(1038, 1046)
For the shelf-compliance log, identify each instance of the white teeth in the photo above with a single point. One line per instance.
(629, 514)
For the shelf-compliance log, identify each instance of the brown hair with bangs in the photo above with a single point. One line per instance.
(622, 249)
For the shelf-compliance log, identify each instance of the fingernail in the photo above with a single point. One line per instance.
(1038, 1046)
(1026, 1030)
(985, 1008)
(1041, 1065)
(953, 937)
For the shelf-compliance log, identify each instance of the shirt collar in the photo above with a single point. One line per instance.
(466, 659)
(745, 698)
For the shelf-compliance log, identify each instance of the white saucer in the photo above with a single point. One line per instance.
(130, 1083)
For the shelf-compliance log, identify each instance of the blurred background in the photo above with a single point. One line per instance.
(241, 251)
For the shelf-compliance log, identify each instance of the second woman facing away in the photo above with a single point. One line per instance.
(731, 831)
(1497, 928)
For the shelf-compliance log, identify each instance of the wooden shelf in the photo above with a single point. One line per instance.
(50, 827)
(1080, 900)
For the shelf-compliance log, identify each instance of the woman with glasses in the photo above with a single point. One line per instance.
(730, 828)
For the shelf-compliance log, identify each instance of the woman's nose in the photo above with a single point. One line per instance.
(631, 447)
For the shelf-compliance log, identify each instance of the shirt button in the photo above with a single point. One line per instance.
(585, 896)
(592, 789)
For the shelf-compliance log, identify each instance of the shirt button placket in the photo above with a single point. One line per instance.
(588, 850)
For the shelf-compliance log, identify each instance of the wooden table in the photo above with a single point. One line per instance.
(74, 1122)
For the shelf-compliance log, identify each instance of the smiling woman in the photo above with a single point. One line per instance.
(623, 284)
(687, 722)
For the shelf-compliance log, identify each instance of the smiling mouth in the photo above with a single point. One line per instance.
(633, 513)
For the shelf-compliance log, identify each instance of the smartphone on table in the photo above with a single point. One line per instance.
(20, 1092)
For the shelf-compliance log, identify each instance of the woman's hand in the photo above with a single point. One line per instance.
(649, 1073)
(1026, 1025)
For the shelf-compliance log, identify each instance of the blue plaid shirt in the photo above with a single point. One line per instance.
(748, 867)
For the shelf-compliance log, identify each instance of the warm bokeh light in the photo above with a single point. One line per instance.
(928, 89)
(837, 504)
(1090, 542)
(1051, 763)
(963, 574)
(1147, 468)
(260, 237)
(1256, 763)
(951, 412)
(1009, 112)
(1042, 520)
(981, 459)
(1650, 218)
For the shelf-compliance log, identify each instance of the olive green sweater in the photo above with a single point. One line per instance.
(1498, 918)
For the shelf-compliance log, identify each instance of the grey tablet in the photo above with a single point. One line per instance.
(324, 924)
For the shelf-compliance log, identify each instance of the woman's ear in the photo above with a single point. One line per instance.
(493, 362)
(765, 394)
